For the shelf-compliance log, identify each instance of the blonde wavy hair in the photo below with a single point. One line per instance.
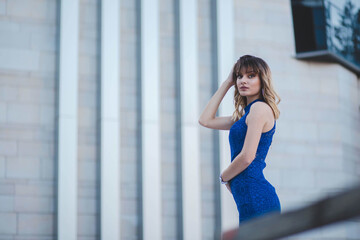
(268, 94)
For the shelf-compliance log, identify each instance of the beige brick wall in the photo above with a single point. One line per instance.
(27, 124)
(130, 219)
(168, 120)
(88, 124)
(207, 157)
(314, 153)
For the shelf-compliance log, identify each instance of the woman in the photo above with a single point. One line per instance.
(250, 136)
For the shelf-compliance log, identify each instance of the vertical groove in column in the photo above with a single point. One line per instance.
(151, 173)
(179, 192)
(225, 41)
(67, 132)
(110, 123)
(189, 120)
(139, 117)
(216, 140)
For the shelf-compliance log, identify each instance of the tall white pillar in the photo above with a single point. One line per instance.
(110, 123)
(151, 170)
(226, 60)
(191, 181)
(67, 120)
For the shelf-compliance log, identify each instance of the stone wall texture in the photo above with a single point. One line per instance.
(315, 150)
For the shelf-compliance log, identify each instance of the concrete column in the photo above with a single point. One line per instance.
(67, 120)
(191, 181)
(226, 60)
(151, 172)
(110, 123)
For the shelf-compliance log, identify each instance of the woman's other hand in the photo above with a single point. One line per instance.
(228, 187)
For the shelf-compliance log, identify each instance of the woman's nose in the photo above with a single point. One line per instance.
(243, 80)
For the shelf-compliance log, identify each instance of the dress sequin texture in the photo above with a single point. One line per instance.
(253, 194)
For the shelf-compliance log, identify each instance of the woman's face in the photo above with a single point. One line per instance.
(248, 83)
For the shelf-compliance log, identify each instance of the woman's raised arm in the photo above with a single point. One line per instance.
(208, 116)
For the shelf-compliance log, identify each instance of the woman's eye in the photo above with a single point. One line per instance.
(251, 76)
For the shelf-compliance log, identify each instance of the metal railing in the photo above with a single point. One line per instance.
(336, 208)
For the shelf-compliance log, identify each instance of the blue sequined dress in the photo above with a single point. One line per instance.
(253, 194)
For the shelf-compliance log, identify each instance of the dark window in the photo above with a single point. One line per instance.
(328, 30)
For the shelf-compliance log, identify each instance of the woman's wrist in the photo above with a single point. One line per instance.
(228, 83)
(221, 180)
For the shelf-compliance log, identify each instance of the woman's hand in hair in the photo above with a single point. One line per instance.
(230, 81)
(208, 116)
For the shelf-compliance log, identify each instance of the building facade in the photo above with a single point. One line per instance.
(99, 102)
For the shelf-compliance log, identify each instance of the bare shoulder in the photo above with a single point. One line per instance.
(261, 110)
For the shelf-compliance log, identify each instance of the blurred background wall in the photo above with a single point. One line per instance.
(315, 150)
